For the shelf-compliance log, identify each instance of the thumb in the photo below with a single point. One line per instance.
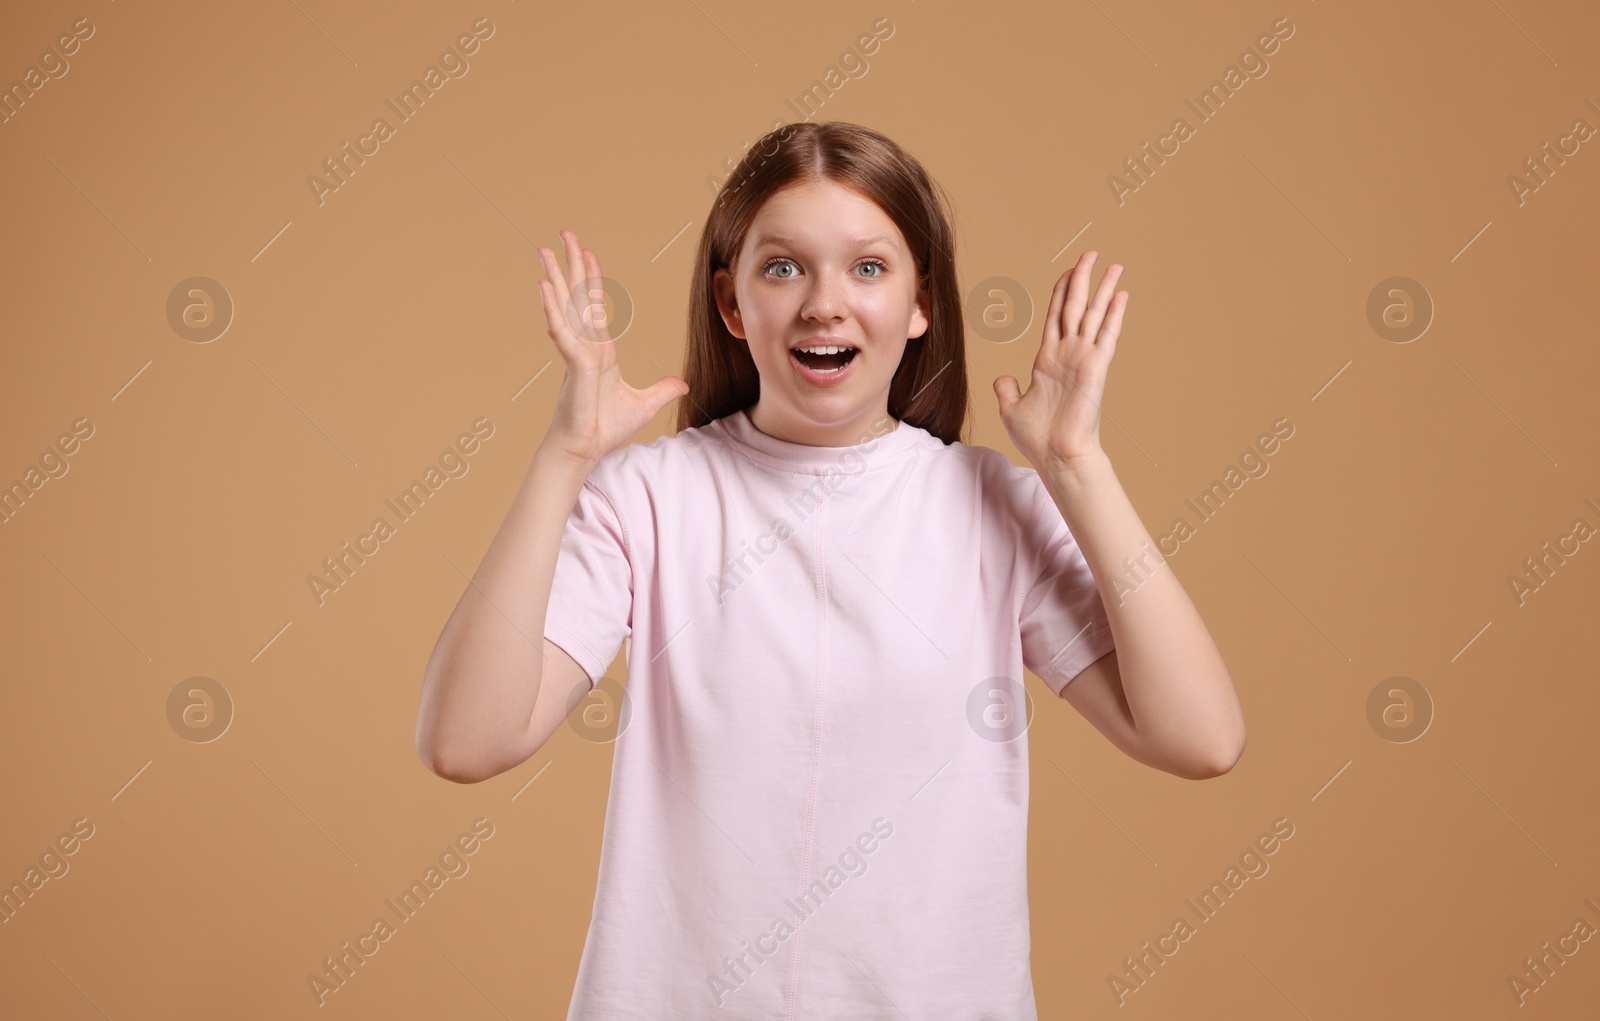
(665, 390)
(1005, 388)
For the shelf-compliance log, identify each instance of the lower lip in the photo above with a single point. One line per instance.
(824, 379)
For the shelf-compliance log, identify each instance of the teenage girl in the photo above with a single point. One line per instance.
(819, 788)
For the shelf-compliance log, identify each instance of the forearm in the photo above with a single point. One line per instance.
(1177, 686)
(483, 680)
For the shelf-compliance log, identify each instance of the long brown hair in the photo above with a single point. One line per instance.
(929, 389)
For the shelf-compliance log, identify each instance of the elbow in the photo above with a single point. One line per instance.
(464, 763)
(426, 744)
(446, 769)
(431, 760)
(1218, 763)
(442, 765)
(440, 756)
(1223, 753)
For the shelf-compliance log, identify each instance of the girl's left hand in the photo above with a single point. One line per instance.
(1058, 419)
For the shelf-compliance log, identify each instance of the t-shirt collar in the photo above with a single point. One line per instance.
(847, 460)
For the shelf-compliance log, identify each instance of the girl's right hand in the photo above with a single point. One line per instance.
(596, 411)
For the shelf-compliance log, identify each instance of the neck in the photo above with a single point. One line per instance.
(856, 430)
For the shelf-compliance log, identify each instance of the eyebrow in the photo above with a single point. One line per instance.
(783, 239)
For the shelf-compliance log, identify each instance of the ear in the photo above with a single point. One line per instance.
(919, 317)
(727, 303)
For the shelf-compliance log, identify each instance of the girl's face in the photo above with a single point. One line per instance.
(822, 265)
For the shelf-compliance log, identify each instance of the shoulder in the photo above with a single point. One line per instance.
(1000, 483)
(631, 471)
(1009, 498)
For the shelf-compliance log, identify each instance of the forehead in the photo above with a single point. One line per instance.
(822, 215)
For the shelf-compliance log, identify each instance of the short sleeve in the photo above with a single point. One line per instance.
(591, 596)
(1063, 620)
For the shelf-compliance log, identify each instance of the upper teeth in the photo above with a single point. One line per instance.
(826, 350)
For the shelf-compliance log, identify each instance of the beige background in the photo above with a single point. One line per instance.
(372, 330)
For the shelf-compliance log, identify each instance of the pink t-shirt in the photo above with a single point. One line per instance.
(819, 798)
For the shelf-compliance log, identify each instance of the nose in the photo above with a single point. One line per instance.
(825, 300)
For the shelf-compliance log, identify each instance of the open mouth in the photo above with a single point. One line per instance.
(824, 363)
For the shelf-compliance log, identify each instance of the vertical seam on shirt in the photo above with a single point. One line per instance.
(816, 755)
(622, 523)
(1033, 544)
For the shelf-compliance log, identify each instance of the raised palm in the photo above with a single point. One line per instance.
(596, 411)
(1058, 419)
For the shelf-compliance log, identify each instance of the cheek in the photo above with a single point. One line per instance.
(884, 312)
(765, 331)
(770, 318)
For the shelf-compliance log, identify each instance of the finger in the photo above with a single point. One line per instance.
(577, 294)
(552, 271)
(1113, 325)
(574, 256)
(556, 319)
(1052, 318)
(1077, 295)
(556, 316)
(596, 314)
(556, 323)
(1102, 298)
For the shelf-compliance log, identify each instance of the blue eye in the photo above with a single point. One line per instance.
(877, 264)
